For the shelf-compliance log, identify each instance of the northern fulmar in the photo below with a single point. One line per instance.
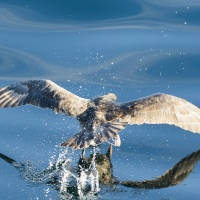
(102, 118)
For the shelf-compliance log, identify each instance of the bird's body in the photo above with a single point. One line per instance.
(102, 118)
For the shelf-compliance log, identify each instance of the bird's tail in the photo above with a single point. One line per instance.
(102, 133)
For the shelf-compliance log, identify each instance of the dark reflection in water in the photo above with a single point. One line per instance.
(103, 166)
(83, 181)
(172, 177)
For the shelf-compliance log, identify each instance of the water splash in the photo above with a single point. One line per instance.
(88, 182)
(82, 183)
(63, 177)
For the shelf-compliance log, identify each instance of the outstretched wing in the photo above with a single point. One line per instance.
(44, 94)
(161, 109)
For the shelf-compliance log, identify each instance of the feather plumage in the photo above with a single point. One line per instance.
(102, 118)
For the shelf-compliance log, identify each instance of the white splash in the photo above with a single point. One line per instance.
(63, 177)
(88, 182)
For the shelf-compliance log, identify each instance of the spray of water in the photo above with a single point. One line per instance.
(72, 182)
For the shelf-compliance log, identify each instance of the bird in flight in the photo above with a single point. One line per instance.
(101, 118)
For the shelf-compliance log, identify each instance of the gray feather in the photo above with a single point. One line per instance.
(161, 109)
(102, 118)
(42, 93)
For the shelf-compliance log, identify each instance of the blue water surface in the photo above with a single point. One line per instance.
(92, 47)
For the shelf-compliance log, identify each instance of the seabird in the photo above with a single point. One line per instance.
(101, 118)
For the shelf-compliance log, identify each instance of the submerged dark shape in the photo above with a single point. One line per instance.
(174, 176)
(103, 165)
(54, 174)
(102, 118)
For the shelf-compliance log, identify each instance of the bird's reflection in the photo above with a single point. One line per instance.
(84, 179)
(103, 166)
(176, 175)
